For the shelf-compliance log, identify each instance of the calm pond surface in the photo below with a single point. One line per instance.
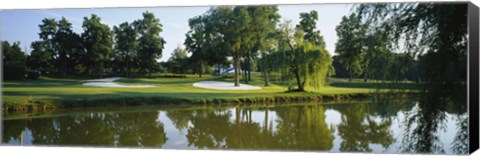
(396, 126)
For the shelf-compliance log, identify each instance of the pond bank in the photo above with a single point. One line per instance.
(38, 106)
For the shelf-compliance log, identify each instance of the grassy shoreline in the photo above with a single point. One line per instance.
(57, 93)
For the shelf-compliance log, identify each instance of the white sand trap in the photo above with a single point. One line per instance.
(105, 79)
(218, 85)
(108, 82)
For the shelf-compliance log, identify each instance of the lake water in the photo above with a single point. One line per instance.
(391, 126)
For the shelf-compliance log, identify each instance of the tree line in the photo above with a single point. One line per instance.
(397, 41)
(252, 38)
(59, 51)
(375, 42)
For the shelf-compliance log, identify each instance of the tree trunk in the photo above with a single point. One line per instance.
(236, 64)
(200, 70)
(365, 78)
(249, 69)
(299, 84)
(126, 66)
(265, 75)
(350, 72)
(101, 69)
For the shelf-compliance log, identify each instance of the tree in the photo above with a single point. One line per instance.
(215, 21)
(14, 61)
(125, 45)
(97, 40)
(264, 21)
(308, 24)
(151, 44)
(377, 54)
(349, 46)
(439, 29)
(308, 64)
(48, 31)
(40, 59)
(196, 43)
(240, 38)
(67, 42)
(178, 62)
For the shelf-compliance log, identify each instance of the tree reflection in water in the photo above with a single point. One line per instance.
(429, 118)
(297, 128)
(359, 127)
(92, 129)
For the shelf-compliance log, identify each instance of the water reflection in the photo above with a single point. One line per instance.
(359, 130)
(430, 117)
(378, 126)
(94, 129)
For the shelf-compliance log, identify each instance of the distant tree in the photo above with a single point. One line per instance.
(308, 24)
(178, 62)
(349, 46)
(98, 42)
(375, 58)
(14, 61)
(151, 44)
(40, 59)
(126, 46)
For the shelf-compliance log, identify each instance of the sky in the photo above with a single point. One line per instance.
(22, 25)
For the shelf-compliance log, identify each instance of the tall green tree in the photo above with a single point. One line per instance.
(98, 42)
(308, 24)
(14, 61)
(40, 59)
(216, 20)
(151, 44)
(264, 20)
(178, 61)
(126, 45)
(47, 34)
(349, 46)
(196, 43)
(241, 41)
(67, 42)
(376, 55)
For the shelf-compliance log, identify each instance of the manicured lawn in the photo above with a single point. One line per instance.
(53, 90)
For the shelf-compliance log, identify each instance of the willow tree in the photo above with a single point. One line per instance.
(439, 30)
(307, 63)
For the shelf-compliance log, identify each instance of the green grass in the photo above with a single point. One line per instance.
(69, 92)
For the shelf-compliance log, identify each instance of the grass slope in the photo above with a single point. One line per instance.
(69, 92)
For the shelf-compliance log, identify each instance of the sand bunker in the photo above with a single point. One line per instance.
(218, 85)
(108, 82)
(105, 79)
